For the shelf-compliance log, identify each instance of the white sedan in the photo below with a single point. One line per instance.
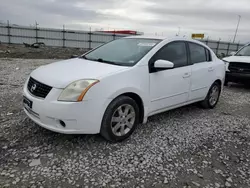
(113, 88)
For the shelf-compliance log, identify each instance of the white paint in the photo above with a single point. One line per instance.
(202, 77)
(159, 91)
(163, 64)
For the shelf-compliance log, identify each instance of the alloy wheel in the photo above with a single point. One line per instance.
(214, 95)
(123, 119)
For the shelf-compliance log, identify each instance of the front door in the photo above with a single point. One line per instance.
(170, 87)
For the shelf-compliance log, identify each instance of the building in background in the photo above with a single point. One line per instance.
(124, 32)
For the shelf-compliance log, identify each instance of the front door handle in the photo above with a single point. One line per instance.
(186, 75)
(210, 69)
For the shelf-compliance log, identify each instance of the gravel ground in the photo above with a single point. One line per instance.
(186, 147)
(20, 51)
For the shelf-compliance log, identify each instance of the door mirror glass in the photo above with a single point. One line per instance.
(74, 56)
(232, 53)
(164, 64)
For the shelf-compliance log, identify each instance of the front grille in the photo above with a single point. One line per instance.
(239, 67)
(37, 88)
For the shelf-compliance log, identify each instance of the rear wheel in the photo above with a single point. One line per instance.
(226, 83)
(212, 97)
(120, 119)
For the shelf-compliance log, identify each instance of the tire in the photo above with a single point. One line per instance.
(226, 83)
(115, 119)
(208, 102)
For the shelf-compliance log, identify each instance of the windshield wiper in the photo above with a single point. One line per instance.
(84, 57)
(101, 60)
(106, 61)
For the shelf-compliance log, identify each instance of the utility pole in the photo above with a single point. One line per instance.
(63, 36)
(8, 27)
(237, 28)
(36, 32)
(179, 29)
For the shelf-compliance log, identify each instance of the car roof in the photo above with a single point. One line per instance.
(147, 37)
(166, 38)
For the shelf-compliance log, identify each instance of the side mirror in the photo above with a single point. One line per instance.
(163, 64)
(232, 53)
(74, 56)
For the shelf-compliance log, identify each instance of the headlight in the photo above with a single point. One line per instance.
(76, 90)
(226, 65)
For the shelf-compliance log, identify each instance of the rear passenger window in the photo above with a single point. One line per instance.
(198, 53)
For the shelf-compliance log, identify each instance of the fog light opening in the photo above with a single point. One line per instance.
(62, 123)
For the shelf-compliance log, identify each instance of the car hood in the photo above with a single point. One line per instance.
(240, 59)
(62, 73)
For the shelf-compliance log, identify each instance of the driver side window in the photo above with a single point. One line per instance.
(174, 52)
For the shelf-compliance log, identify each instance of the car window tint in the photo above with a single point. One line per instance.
(174, 52)
(197, 53)
(208, 55)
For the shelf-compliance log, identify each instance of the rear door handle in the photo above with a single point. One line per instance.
(210, 69)
(186, 75)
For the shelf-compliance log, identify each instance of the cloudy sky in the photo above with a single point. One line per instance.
(216, 18)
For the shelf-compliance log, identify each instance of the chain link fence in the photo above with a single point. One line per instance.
(12, 34)
(55, 37)
(222, 48)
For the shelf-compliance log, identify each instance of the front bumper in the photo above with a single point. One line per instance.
(79, 117)
(237, 77)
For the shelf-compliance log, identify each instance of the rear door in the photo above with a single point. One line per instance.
(203, 71)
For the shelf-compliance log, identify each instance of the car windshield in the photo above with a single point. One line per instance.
(124, 52)
(245, 51)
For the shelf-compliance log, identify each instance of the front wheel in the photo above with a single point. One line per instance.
(212, 97)
(120, 119)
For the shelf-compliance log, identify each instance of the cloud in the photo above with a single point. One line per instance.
(217, 19)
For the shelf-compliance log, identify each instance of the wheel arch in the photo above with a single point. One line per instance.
(218, 81)
(138, 101)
